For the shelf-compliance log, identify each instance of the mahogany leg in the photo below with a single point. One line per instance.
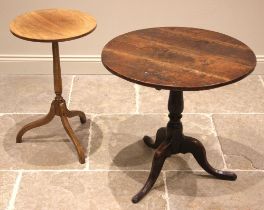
(160, 137)
(194, 146)
(163, 151)
(71, 133)
(42, 121)
(172, 141)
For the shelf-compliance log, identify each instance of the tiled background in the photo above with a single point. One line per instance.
(44, 173)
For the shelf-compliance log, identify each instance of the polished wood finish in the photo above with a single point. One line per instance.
(178, 58)
(42, 121)
(52, 25)
(171, 140)
(59, 108)
(55, 25)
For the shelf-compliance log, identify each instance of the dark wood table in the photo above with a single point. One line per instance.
(178, 59)
(54, 26)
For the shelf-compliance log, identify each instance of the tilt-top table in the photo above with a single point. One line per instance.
(178, 59)
(54, 26)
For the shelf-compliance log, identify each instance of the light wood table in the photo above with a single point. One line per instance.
(54, 26)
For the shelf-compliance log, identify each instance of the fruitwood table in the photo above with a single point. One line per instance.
(178, 59)
(54, 26)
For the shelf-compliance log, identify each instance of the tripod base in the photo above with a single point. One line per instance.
(170, 141)
(58, 108)
(165, 149)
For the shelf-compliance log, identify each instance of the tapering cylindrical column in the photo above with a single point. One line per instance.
(57, 69)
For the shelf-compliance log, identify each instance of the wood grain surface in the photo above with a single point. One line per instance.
(178, 58)
(52, 25)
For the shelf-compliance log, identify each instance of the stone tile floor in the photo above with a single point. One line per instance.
(44, 173)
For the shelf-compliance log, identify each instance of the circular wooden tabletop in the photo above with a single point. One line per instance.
(52, 25)
(178, 58)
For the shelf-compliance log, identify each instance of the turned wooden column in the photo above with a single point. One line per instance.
(56, 70)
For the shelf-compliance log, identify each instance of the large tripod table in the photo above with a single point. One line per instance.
(178, 59)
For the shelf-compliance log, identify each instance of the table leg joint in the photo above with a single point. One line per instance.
(58, 108)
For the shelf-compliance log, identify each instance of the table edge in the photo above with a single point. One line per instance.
(168, 87)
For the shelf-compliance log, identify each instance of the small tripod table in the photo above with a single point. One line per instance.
(178, 59)
(54, 26)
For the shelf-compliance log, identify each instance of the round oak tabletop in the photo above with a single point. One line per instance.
(52, 25)
(178, 58)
